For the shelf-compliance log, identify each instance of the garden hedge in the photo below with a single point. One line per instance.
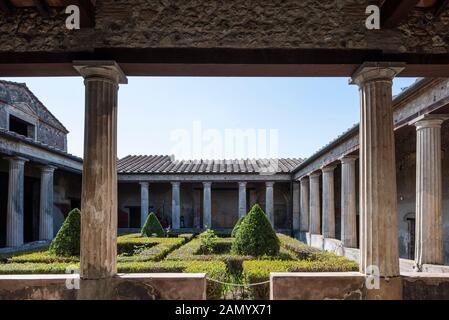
(152, 227)
(255, 236)
(67, 240)
(237, 226)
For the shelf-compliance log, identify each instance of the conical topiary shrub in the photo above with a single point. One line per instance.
(237, 226)
(67, 240)
(255, 236)
(152, 227)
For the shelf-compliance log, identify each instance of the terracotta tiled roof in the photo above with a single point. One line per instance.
(166, 164)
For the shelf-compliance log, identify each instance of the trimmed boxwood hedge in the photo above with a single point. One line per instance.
(152, 227)
(302, 250)
(67, 240)
(237, 226)
(256, 236)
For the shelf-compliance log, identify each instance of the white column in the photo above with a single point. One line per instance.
(207, 205)
(46, 204)
(304, 204)
(144, 202)
(348, 202)
(269, 201)
(379, 249)
(328, 202)
(242, 199)
(315, 210)
(99, 185)
(295, 209)
(15, 215)
(176, 205)
(429, 215)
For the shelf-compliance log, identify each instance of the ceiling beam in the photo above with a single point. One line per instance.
(393, 12)
(6, 6)
(440, 6)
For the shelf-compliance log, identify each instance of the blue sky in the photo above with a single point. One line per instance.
(307, 112)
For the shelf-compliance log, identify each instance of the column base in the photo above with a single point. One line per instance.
(389, 289)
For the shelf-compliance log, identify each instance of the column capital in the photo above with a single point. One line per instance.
(98, 69)
(348, 159)
(48, 168)
(328, 168)
(429, 121)
(242, 184)
(17, 159)
(144, 184)
(269, 184)
(376, 71)
(207, 184)
(304, 179)
(315, 174)
(175, 184)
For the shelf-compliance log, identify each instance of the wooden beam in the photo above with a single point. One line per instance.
(43, 7)
(6, 6)
(393, 12)
(440, 6)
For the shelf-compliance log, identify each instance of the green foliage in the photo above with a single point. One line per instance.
(67, 240)
(152, 227)
(302, 250)
(134, 247)
(208, 241)
(255, 236)
(237, 226)
(41, 257)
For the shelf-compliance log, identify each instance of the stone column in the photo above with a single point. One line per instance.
(176, 205)
(328, 202)
(99, 185)
(295, 208)
(348, 202)
(46, 204)
(269, 201)
(379, 252)
(304, 205)
(15, 215)
(144, 202)
(207, 205)
(315, 214)
(429, 218)
(242, 199)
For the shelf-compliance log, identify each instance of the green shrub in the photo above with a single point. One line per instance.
(237, 226)
(208, 241)
(302, 250)
(255, 236)
(41, 257)
(154, 252)
(37, 268)
(67, 240)
(152, 227)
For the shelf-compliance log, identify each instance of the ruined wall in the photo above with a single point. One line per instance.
(233, 24)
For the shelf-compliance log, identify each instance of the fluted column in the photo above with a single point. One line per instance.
(242, 199)
(378, 209)
(328, 202)
(295, 209)
(304, 205)
(207, 205)
(348, 202)
(99, 185)
(144, 202)
(269, 201)
(46, 204)
(176, 205)
(429, 218)
(315, 210)
(15, 215)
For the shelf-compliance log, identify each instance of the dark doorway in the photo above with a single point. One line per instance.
(31, 209)
(3, 207)
(411, 234)
(134, 217)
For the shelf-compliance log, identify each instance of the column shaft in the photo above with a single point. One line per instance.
(304, 205)
(144, 202)
(295, 209)
(269, 201)
(99, 185)
(328, 202)
(207, 205)
(378, 208)
(348, 202)
(15, 215)
(176, 206)
(242, 199)
(315, 210)
(429, 219)
(46, 204)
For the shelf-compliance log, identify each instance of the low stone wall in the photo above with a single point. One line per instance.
(317, 286)
(154, 286)
(425, 286)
